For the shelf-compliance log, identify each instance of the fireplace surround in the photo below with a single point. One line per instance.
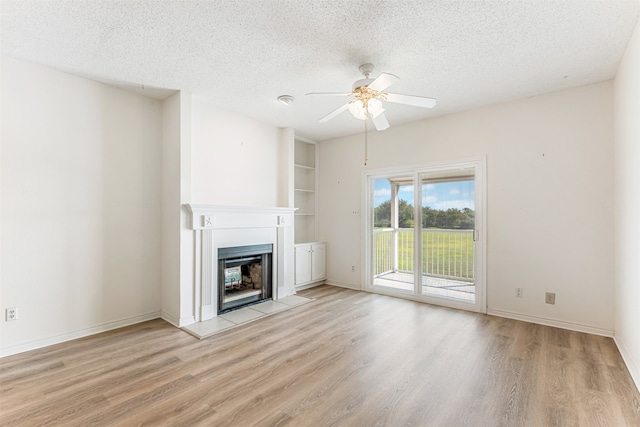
(218, 226)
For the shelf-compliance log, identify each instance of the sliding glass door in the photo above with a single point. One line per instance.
(448, 234)
(423, 233)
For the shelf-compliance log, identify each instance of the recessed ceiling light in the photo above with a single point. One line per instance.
(286, 99)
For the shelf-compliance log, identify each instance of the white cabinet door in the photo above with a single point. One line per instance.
(303, 264)
(311, 262)
(318, 261)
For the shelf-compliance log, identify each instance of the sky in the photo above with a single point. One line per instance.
(439, 196)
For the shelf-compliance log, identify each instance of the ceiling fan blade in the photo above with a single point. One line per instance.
(330, 93)
(380, 121)
(334, 113)
(383, 81)
(416, 101)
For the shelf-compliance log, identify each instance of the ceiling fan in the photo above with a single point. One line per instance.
(368, 95)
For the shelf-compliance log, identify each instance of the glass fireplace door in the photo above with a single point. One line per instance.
(244, 276)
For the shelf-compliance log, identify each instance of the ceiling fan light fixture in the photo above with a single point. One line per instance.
(360, 109)
(356, 107)
(374, 106)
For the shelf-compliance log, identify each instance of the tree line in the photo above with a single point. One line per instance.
(451, 218)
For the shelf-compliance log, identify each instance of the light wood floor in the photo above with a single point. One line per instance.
(347, 359)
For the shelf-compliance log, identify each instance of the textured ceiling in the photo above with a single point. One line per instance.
(241, 55)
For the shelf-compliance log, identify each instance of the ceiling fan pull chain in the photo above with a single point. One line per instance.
(366, 140)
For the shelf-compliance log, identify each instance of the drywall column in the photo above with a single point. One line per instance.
(627, 206)
(286, 168)
(177, 239)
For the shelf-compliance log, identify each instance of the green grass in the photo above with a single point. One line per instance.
(444, 253)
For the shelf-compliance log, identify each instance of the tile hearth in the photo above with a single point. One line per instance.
(241, 316)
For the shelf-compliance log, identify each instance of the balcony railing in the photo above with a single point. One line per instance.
(446, 254)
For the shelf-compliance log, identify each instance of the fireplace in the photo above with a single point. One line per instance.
(217, 227)
(244, 276)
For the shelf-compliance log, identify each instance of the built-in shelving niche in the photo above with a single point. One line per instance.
(305, 168)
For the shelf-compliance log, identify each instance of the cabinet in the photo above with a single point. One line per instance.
(311, 261)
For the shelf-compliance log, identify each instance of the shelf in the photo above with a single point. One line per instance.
(304, 190)
(309, 168)
(304, 214)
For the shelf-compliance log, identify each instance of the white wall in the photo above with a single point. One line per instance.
(81, 194)
(549, 202)
(627, 206)
(235, 160)
(94, 182)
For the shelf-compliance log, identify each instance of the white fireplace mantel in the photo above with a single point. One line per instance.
(219, 226)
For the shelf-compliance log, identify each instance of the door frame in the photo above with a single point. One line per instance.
(368, 176)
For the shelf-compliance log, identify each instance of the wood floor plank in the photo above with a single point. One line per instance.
(346, 359)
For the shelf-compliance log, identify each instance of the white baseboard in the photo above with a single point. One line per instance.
(354, 286)
(170, 319)
(309, 286)
(552, 322)
(632, 366)
(285, 291)
(181, 322)
(57, 339)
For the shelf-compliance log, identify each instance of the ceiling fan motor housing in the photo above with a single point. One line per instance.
(366, 69)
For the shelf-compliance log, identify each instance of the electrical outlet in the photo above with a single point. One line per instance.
(353, 268)
(518, 292)
(550, 298)
(11, 314)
